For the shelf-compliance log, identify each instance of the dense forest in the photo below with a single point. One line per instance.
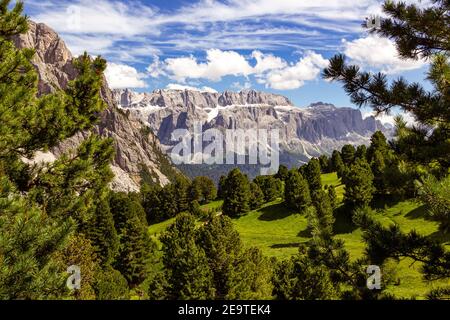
(63, 213)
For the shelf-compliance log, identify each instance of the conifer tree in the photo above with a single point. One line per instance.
(256, 197)
(313, 175)
(297, 194)
(348, 154)
(282, 173)
(359, 184)
(237, 194)
(186, 271)
(333, 197)
(42, 205)
(338, 164)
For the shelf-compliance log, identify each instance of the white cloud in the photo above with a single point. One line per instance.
(379, 53)
(120, 76)
(176, 86)
(267, 62)
(270, 70)
(390, 118)
(292, 77)
(219, 64)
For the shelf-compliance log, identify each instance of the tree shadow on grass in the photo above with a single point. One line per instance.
(275, 212)
(385, 201)
(306, 233)
(285, 245)
(343, 220)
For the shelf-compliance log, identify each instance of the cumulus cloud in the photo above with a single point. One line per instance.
(379, 53)
(390, 118)
(292, 77)
(176, 86)
(268, 69)
(218, 64)
(121, 76)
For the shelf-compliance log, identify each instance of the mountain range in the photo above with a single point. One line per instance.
(141, 124)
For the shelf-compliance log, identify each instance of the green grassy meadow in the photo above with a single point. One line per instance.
(277, 231)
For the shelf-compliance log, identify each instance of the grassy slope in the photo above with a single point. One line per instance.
(278, 231)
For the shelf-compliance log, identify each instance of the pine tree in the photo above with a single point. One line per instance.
(270, 186)
(186, 271)
(297, 194)
(43, 205)
(348, 154)
(299, 279)
(221, 188)
(313, 175)
(324, 163)
(361, 152)
(237, 194)
(323, 218)
(182, 199)
(282, 174)
(359, 184)
(338, 164)
(333, 197)
(378, 166)
(102, 233)
(257, 196)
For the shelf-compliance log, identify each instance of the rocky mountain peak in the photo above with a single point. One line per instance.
(138, 151)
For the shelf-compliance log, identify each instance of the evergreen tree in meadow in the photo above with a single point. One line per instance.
(299, 279)
(221, 188)
(359, 184)
(203, 190)
(332, 195)
(103, 234)
(297, 195)
(237, 194)
(270, 186)
(256, 197)
(186, 271)
(151, 202)
(41, 206)
(378, 166)
(324, 163)
(135, 246)
(282, 173)
(337, 164)
(378, 142)
(181, 192)
(323, 218)
(313, 175)
(348, 154)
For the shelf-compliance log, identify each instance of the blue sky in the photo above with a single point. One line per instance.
(270, 45)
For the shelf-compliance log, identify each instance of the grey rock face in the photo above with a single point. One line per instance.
(304, 132)
(137, 149)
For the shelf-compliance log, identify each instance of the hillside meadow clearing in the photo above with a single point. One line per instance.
(278, 231)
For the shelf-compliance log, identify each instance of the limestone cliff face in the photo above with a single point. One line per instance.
(138, 152)
(304, 132)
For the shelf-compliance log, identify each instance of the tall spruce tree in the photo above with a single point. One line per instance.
(359, 184)
(297, 195)
(237, 194)
(313, 175)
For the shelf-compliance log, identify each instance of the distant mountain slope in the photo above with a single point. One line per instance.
(304, 132)
(138, 152)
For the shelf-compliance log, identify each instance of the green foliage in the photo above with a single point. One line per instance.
(299, 279)
(256, 197)
(337, 164)
(296, 190)
(332, 196)
(270, 186)
(45, 206)
(221, 188)
(324, 163)
(359, 184)
(186, 272)
(102, 233)
(135, 247)
(348, 154)
(282, 173)
(110, 285)
(203, 190)
(323, 218)
(436, 195)
(312, 173)
(209, 262)
(237, 194)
